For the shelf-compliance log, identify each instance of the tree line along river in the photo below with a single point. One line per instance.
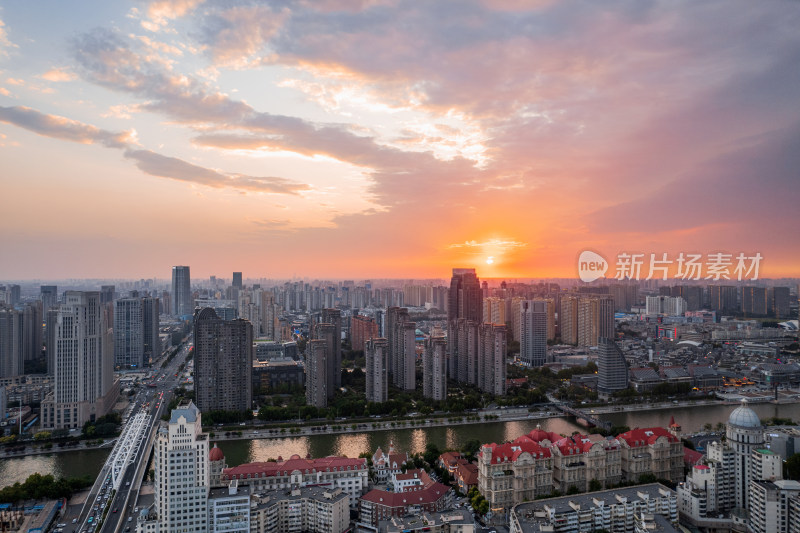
(411, 440)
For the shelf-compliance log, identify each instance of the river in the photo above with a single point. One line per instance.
(411, 440)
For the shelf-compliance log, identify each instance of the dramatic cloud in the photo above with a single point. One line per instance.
(62, 128)
(177, 169)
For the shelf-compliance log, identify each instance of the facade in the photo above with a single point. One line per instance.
(272, 374)
(362, 329)
(595, 320)
(334, 317)
(182, 304)
(568, 319)
(349, 475)
(402, 347)
(665, 306)
(722, 298)
(653, 451)
(614, 510)
(378, 505)
(492, 359)
(83, 380)
(11, 340)
(612, 370)
(385, 465)
(306, 509)
(152, 326)
(533, 332)
(514, 472)
(128, 333)
(376, 355)
(229, 509)
(182, 472)
(465, 300)
(434, 369)
(317, 373)
(773, 506)
(326, 332)
(223, 355)
(237, 280)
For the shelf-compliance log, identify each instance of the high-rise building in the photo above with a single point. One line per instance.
(317, 373)
(722, 298)
(595, 320)
(533, 332)
(181, 465)
(401, 336)
(568, 320)
(32, 331)
(237, 280)
(376, 353)
(223, 355)
(49, 297)
(434, 369)
(182, 304)
(83, 377)
(269, 316)
(362, 329)
(693, 294)
(754, 301)
(128, 333)
(152, 325)
(612, 371)
(327, 332)
(494, 310)
(107, 294)
(466, 334)
(492, 359)
(779, 301)
(665, 305)
(51, 318)
(11, 340)
(465, 300)
(13, 294)
(334, 317)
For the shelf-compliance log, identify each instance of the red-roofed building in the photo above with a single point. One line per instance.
(579, 459)
(351, 475)
(691, 457)
(385, 465)
(450, 461)
(651, 451)
(382, 505)
(411, 480)
(466, 475)
(514, 472)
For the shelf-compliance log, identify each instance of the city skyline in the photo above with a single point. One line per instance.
(383, 139)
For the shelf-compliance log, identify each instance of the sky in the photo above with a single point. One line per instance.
(379, 138)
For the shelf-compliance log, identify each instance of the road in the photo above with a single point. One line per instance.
(119, 506)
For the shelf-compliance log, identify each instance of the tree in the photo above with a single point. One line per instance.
(595, 485)
(432, 453)
(792, 467)
(471, 448)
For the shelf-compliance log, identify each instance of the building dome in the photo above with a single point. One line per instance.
(215, 454)
(744, 417)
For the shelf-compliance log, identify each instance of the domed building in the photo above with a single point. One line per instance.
(745, 434)
(216, 464)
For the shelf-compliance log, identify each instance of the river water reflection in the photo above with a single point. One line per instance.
(411, 440)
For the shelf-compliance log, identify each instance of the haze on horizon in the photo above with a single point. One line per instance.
(390, 139)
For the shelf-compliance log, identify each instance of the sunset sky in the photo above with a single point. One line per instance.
(372, 138)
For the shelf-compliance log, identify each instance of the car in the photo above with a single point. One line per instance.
(61, 525)
(128, 483)
(74, 520)
(91, 518)
(115, 509)
(136, 510)
(130, 518)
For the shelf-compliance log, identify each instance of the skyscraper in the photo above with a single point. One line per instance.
(49, 297)
(362, 329)
(334, 316)
(375, 353)
(269, 316)
(223, 354)
(237, 280)
(722, 298)
(181, 467)
(533, 332)
(11, 339)
(612, 371)
(754, 301)
(402, 347)
(182, 304)
(107, 294)
(84, 387)
(492, 359)
(317, 373)
(779, 301)
(326, 332)
(434, 369)
(152, 325)
(128, 333)
(595, 320)
(465, 300)
(568, 320)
